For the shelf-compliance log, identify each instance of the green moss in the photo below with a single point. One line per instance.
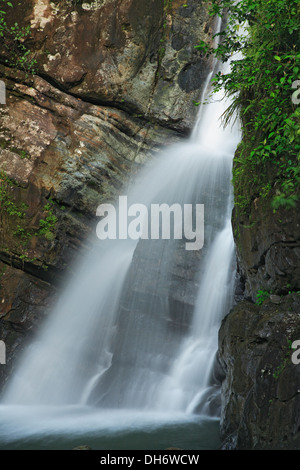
(15, 231)
(168, 6)
(6, 145)
(16, 227)
(7, 201)
(48, 224)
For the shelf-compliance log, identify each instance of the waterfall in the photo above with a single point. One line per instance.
(136, 326)
(189, 385)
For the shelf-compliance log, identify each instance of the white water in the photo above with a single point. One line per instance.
(108, 341)
(188, 386)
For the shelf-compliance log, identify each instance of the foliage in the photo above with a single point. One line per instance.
(261, 296)
(12, 40)
(261, 38)
(13, 216)
(47, 225)
(4, 144)
(7, 202)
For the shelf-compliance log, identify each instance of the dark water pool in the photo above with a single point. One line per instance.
(65, 428)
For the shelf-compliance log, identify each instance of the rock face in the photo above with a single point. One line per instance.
(133, 55)
(268, 248)
(25, 300)
(260, 399)
(261, 391)
(113, 83)
(74, 154)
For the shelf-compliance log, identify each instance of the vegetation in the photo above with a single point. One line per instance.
(4, 144)
(265, 34)
(47, 225)
(17, 229)
(7, 201)
(261, 296)
(12, 42)
(14, 222)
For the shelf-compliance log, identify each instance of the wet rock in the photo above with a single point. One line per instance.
(275, 299)
(260, 394)
(24, 302)
(83, 447)
(72, 157)
(268, 248)
(114, 83)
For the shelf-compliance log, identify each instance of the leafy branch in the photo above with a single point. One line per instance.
(265, 33)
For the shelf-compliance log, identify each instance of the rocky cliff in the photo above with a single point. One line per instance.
(100, 88)
(261, 388)
(95, 89)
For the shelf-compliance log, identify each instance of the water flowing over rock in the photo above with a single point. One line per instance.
(119, 335)
(112, 86)
(113, 336)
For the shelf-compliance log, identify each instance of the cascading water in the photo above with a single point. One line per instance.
(188, 385)
(113, 339)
